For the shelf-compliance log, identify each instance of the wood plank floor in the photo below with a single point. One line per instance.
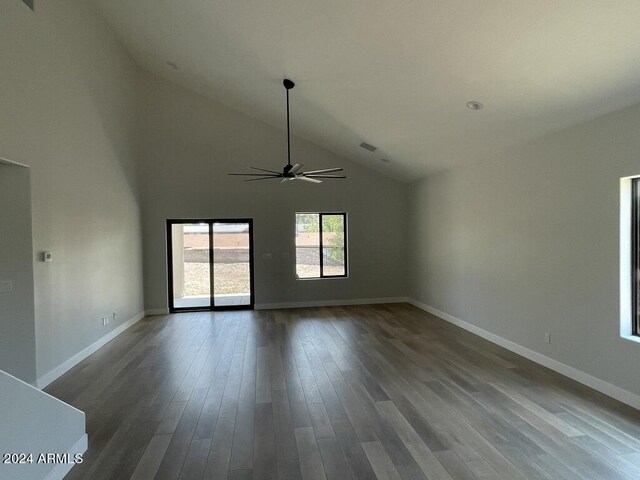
(363, 392)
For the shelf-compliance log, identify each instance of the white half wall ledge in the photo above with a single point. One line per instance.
(78, 357)
(624, 396)
(330, 303)
(32, 422)
(6, 161)
(61, 470)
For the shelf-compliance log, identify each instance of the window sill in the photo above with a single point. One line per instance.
(341, 277)
(631, 338)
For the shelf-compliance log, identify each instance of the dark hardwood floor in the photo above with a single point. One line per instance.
(384, 391)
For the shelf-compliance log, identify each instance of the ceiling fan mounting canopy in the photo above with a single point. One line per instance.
(289, 171)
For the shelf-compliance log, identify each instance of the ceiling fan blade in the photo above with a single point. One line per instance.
(263, 170)
(257, 174)
(307, 179)
(326, 170)
(325, 176)
(290, 172)
(261, 178)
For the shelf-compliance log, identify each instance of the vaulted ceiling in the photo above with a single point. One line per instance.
(397, 74)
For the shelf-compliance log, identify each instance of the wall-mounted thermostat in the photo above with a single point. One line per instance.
(47, 256)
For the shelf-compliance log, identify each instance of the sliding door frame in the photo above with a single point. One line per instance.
(210, 222)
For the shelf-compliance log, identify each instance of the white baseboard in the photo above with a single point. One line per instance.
(596, 383)
(329, 303)
(47, 378)
(60, 470)
(311, 303)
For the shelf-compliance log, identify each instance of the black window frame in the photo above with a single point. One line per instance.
(345, 243)
(635, 255)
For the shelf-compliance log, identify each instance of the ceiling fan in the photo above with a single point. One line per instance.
(291, 172)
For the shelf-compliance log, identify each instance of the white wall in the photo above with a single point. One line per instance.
(528, 243)
(67, 110)
(191, 143)
(17, 320)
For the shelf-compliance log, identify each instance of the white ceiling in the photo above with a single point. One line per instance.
(397, 74)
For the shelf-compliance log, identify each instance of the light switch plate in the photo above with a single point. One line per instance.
(47, 256)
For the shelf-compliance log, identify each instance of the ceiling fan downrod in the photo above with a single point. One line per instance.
(288, 84)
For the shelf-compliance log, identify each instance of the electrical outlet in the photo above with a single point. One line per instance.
(105, 320)
(113, 316)
(547, 337)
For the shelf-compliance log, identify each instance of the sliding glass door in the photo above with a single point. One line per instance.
(232, 264)
(210, 264)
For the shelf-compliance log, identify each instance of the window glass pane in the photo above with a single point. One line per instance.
(308, 262)
(191, 267)
(332, 230)
(333, 261)
(308, 245)
(231, 269)
(333, 245)
(307, 230)
(635, 240)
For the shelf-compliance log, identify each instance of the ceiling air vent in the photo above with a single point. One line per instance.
(366, 146)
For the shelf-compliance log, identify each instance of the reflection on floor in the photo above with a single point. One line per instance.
(219, 300)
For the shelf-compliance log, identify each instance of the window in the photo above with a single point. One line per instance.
(635, 255)
(321, 245)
